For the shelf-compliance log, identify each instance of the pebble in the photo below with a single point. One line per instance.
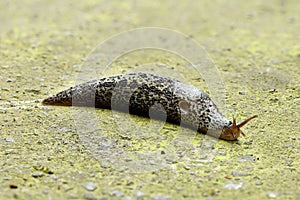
(139, 194)
(33, 90)
(72, 196)
(186, 167)
(9, 151)
(64, 130)
(38, 174)
(116, 193)
(45, 191)
(39, 79)
(234, 186)
(272, 90)
(104, 164)
(5, 89)
(246, 158)
(239, 173)
(9, 140)
(103, 198)
(160, 64)
(258, 183)
(18, 75)
(161, 197)
(89, 196)
(272, 194)
(90, 186)
(248, 167)
(242, 92)
(275, 99)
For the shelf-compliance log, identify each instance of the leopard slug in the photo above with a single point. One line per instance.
(137, 93)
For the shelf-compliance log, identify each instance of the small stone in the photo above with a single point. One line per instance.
(116, 193)
(139, 194)
(258, 182)
(9, 140)
(9, 151)
(275, 61)
(9, 80)
(248, 167)
(275, 99)
(171, 159)
(45, 191)
(161, 197)
(64, 130)
(72, 196)
(160, 64)
(272, 194)
(103, 198)
(246, 158)
(234, 186)
(89, 196)
(242, 92)
(38, 174)
(15, 96)
(272, 90)
(186, 167)
(90, 186)
(33, 90)
(239, 173)
(5, 89)
(104, 164)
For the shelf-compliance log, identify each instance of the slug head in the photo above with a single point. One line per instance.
(234, 131)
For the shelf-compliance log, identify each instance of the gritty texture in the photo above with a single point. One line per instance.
(143, 93)
(255, 46)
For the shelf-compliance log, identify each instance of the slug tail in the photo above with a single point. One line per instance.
(61, 99)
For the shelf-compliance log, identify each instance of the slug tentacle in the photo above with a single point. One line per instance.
(234, 131)
(139, 92)
(240, 125)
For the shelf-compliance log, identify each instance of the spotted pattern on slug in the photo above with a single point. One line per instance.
(139, 92)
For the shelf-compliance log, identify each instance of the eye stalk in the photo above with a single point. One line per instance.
(233, 132)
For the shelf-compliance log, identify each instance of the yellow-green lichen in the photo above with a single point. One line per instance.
(254, 45)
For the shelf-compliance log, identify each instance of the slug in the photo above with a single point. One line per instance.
(167, 98)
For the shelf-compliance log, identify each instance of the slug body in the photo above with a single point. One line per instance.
(152, 96)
